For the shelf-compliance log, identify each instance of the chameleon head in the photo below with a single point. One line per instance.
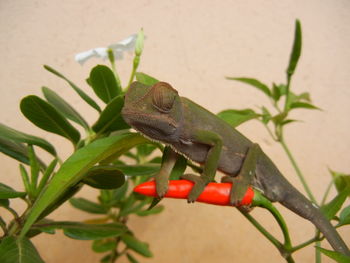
(155, 111)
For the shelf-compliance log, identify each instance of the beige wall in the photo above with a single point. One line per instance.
(193, 45)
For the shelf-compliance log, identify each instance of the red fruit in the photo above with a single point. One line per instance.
(214, 193)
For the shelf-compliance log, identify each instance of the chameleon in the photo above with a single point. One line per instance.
(159, 113)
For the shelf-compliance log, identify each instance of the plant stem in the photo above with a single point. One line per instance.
(261, 229)
(270, 132)
(306, 243)
(3, 226)
(326, 193)
(286, 104)
(297, 170)
(112, 61)
(134, 68)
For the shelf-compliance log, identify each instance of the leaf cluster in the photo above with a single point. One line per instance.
(106, 155)
(275, 118)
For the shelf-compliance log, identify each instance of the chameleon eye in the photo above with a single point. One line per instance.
(163, 96)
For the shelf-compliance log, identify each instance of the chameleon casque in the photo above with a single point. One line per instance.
(160, 114)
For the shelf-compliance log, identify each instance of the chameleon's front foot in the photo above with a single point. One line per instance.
(198, 188)
(162, 185)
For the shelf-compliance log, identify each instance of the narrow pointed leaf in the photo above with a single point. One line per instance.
(110, 118)
(138, 246)
(87, 206)
(237, 117)
(17, 136)
(16, 250)
(145, 150)
(131, 258)
(155, 210)
(296, 51)
(304, 105)
(7, 192)
(145, 79)
(103, 82)
(46, 117)
(138, 169)
(341, 181)
(80, 92)
(83, 231)
(4, 203)
(14, 150)
(67, 110)
(255, 83)
(332, 208)
(76, 166)
(103, 245)
(104, 177)
(337, 256)
(344, 217)
(305, 96)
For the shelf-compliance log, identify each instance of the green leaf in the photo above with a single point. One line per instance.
(103, 82)
(80, 92)
(110, 118)
(64, 108)
(131, 258)
(7, 192)
(303, 105)
(34, 167)
(266, 115)
(17, 136)
(255, 83)
(107, 258)
(87, 206)
(138, 169)
(14, 150)
(76, 166)
(104, 177)
(82, 231)
(344, 217)
(296, 51)
(337, 256)
(332, 208)
(341, 180)
(305, 96)
(144, 150)
(16, 250)
(276, 92)
(47, 174)
(66, 195)
(287, 121)
(46, 117)
(145, 79)
(279, 118)
(4, 203)
(119, 194)
(237, 117)
(155, 210)
(26, 182)
(137, 245)
(103, 245)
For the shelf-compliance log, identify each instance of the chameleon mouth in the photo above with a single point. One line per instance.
(151, 125)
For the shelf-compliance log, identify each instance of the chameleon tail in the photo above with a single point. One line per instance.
(315, 216)
(277, 189)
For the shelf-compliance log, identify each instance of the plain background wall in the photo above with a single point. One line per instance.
(193, 45)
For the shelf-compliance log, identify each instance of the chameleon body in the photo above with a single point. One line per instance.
(160, 114)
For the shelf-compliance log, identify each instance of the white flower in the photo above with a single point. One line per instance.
(127, 44)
